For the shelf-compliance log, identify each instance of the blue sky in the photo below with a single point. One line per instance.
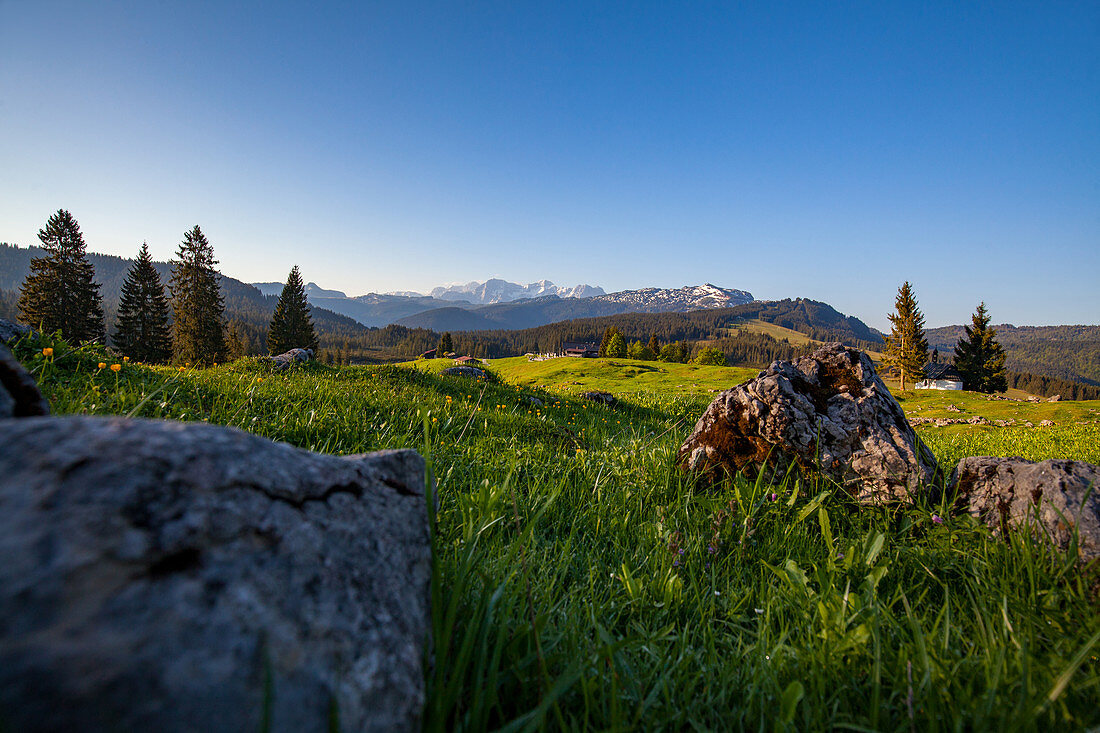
(822, 150)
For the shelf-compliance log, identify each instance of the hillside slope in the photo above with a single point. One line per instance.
(1067, 352)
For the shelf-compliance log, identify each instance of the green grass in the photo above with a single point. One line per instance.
(581, 582)
(621, 377)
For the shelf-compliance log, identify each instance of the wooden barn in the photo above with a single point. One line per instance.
(588, 351)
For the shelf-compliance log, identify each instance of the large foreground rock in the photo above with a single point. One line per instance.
(828, 410)
(19, 395)
(1052, 498)
(161, 576)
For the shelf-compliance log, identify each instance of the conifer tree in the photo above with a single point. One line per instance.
(906, 350)
(143, 333)
(198, 325)
(60, 294)
(235, 346)
(607, 334)
(979, 358)
(616, 346)
(445, 346)
(654, 344)
(291, 325)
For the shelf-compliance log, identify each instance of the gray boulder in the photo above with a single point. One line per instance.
(464, 371)
(19, 394)
(294, 356)
(179, 577)
(828, 411)
(1052, 498)
(604, 398)
(10, 331)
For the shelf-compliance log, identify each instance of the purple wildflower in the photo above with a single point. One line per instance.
(937, 519)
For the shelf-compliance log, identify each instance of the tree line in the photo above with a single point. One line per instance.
(186, 324)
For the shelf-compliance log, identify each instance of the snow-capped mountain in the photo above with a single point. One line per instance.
(502, 291)
(689, 297)
(313, 290)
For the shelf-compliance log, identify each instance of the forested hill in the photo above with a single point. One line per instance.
(817, 320)
(247, 309)
(1067, 352)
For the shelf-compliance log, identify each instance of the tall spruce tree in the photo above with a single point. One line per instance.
(607, 334)
(143, 333)
(291, 325)
(60, 293)
(198, 310)
(979, 358)
(616, 346)
(445, 345)
(906, 350)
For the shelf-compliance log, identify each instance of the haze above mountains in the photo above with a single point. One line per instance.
(497, 303)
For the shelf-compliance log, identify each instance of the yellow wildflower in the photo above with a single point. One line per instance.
(126, 359)
(48, 351)
(116, 367)
(102, 365)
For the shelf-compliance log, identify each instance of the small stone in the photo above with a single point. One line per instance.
(464, 371)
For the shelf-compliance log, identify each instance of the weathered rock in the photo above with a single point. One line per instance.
(10, 331)
(178, 577)
(19, 394)
(464, 371)
(604, 398)
(953, 408)
(294, 356)
(826, 411)
(1055, 398)
(1048, 498)
(1046, 423)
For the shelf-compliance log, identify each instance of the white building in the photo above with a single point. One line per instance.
(940, 376)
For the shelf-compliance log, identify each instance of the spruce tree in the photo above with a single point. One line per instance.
(616, 346)
(979, 358)
(143, 333)
(607, 334)
(445, 346)
(906, 350)
(60, 293)
(291, 326)
(198, 310)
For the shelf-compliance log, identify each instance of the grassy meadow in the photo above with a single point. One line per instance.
(581, 582)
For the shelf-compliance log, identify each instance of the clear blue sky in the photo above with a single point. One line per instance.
(824, 150)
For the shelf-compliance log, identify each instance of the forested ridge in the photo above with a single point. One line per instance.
(1066, 352)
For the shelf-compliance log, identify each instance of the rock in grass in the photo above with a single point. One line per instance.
(1052, 498)
(19, 394)
(604, 398)
(294, 356)
(10, 331)
(826, 411)
(464, 371)
(162, 576)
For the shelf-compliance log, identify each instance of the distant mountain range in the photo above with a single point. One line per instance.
(496, 304)
(500, 291)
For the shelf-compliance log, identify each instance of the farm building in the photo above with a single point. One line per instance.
(590, 351)
(940, 376)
